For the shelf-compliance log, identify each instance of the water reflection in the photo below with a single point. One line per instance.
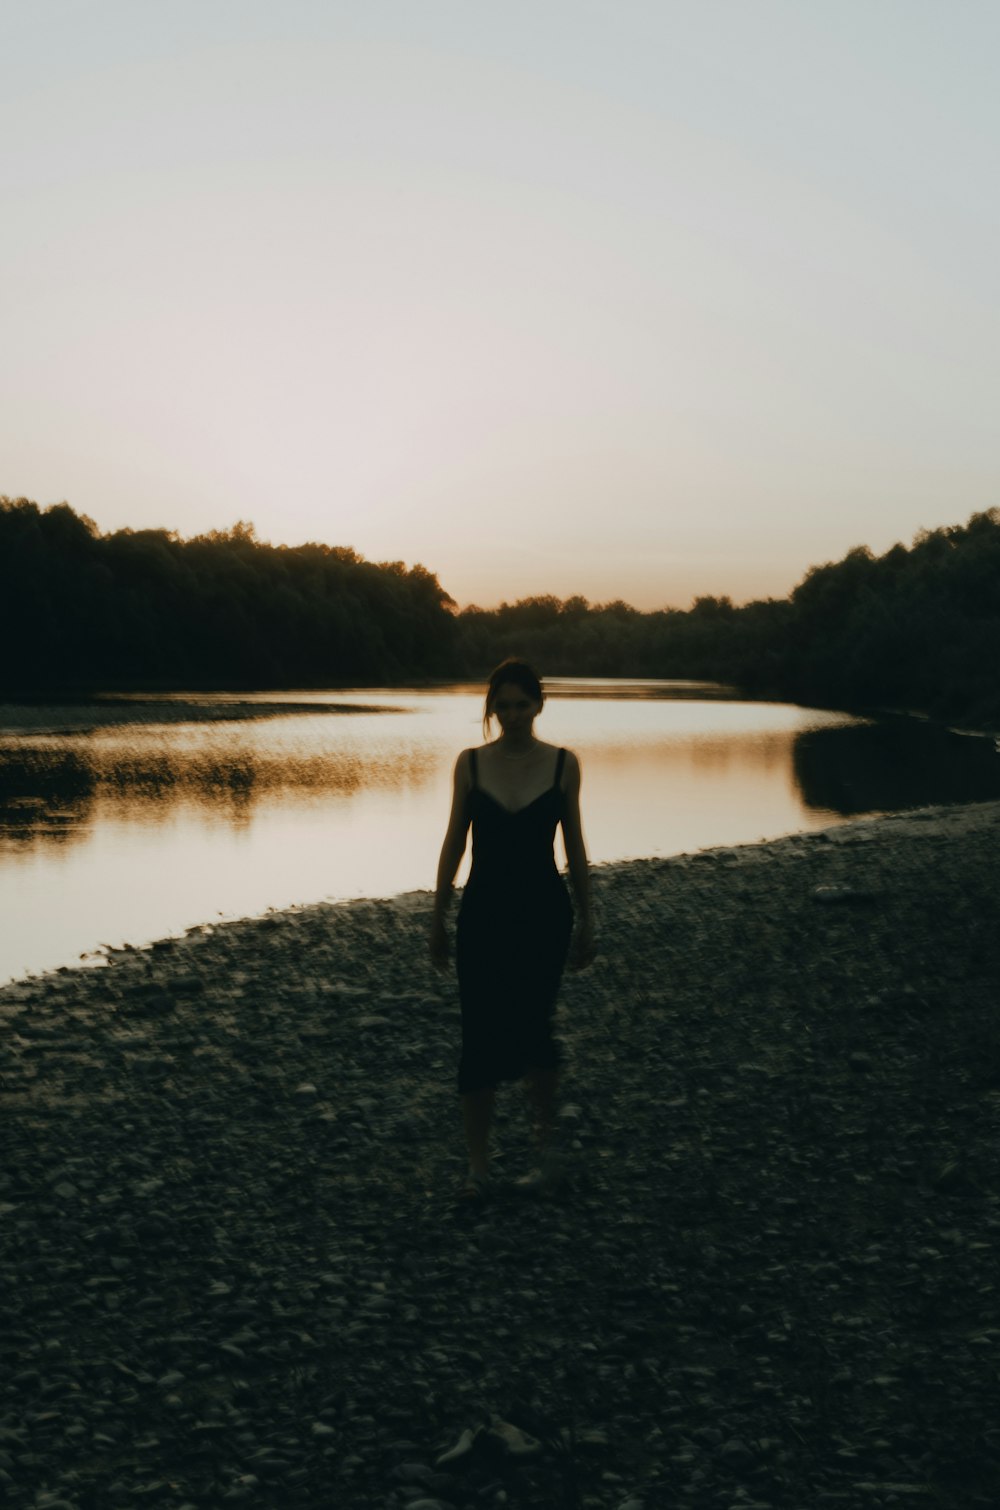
(891, 765)
(128, 830)
(53, 789)
(52, 792)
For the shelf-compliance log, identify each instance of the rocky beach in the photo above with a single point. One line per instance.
(234, 1268)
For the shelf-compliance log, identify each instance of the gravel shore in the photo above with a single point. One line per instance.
(234, 1269)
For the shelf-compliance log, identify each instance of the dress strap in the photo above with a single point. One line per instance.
(560, 762)
(473, 766)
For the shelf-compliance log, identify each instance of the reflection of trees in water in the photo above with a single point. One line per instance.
(53, 791)
(45, 796)
(52, 794)
(892, 765)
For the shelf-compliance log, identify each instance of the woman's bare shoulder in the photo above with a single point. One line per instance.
(463, 765)
(551, 751)
(570, 779)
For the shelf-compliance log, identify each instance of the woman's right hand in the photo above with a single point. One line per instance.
(438, 945)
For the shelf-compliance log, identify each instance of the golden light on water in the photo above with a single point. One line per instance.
(135, 830)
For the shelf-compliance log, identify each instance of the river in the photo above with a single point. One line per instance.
(124, 819)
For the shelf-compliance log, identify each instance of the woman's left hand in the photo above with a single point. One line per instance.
(582, 949)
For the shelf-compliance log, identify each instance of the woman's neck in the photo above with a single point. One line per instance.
(516, 746)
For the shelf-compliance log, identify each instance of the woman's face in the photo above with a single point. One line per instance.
(515, 711)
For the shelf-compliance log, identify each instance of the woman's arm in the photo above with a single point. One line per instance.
(452, 851)
(582, 951)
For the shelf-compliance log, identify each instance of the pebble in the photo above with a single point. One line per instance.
(736, 1454)
(278, 1278)
(413, 1473)
(842, 894)
(461, 1448)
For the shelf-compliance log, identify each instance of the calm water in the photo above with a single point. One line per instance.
(126, 820)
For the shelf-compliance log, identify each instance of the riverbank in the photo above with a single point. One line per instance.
(85, 715)
(234, 1269)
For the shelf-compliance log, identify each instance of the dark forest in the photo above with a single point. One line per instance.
(916, 628)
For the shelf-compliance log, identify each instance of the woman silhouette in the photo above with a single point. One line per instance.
(515, 921)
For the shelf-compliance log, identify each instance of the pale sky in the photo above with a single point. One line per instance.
(639, 299)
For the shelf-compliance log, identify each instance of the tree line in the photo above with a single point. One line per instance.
(144, 608)
(917, 627)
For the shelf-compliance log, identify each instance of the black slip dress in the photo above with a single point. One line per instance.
(512, 937)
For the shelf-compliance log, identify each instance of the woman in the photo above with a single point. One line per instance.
(515, 921)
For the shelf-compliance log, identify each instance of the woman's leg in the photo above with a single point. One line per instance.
(477, 1111)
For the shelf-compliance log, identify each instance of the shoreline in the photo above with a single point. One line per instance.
(89, 716)
(171, 704)
(234, 1268)
(953, 818)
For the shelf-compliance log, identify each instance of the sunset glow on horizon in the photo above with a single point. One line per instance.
(634, 301)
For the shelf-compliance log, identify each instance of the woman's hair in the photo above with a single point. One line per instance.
(517, 674)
